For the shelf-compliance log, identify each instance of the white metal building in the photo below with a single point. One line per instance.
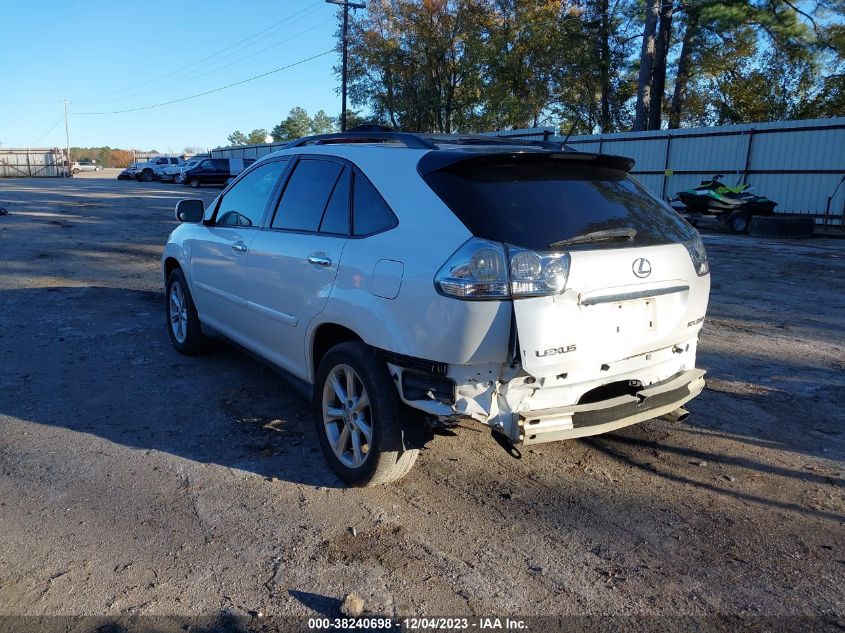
(799, 164)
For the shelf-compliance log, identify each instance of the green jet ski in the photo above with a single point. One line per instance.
(733, 205)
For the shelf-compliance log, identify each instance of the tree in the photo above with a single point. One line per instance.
(644, 83)
(120, 158)
(589, 65)
(658, 72)
(322, 123)
(103, 156)
(296, 125)
(237, 138)
(257, 137)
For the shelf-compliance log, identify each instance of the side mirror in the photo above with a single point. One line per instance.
(190, 210)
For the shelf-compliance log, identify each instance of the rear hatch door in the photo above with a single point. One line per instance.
(632, 285)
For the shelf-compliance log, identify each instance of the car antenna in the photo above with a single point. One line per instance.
(571, 129)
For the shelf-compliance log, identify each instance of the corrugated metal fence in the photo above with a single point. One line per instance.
(799, 164)
(247, 151)
(32, 162)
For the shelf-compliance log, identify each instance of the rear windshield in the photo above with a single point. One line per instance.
(536, 200)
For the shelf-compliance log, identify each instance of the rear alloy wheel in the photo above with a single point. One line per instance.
(738, 222)
(356, 415)
(194, 183)
(183, 323)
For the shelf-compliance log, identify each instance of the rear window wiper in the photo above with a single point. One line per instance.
(597, 236)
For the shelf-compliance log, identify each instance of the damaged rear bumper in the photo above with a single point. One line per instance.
(530, 410)
(563, 423)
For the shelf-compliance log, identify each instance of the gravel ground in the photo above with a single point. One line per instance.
(135, 481)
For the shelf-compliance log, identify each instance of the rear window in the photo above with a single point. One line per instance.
(534, 201)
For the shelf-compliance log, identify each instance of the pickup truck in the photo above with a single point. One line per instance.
(153, 168)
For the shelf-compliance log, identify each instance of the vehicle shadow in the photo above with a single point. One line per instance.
(98, 360)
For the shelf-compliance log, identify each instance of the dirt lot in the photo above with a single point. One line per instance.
(137, 481)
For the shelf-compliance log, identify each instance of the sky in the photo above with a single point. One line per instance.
(105, 56)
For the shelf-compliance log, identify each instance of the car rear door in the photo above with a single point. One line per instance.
(218, 251)
(293, 264)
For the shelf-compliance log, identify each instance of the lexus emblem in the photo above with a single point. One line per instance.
(641, 267)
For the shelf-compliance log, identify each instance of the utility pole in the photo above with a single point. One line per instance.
(67, 138)
(346, 4)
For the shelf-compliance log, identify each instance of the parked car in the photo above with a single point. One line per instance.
(213, 171)
(129, 173)
(534, 289)
(84, 164)
(152, 168)
(170, 173)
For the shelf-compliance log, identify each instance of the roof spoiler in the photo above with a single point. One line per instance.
(435, 161)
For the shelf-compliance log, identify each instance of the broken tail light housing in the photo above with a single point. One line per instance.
(695, 248)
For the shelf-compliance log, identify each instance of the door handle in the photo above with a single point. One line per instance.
(319, 261)
(239, 247)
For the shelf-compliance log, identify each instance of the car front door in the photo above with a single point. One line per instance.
(204, 172)
(293, 264)
(219, 249)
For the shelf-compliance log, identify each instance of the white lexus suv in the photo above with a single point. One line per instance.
(405, 282)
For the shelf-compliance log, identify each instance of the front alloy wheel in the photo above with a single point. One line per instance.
(178, 312)
(183, 323)
(347, 416)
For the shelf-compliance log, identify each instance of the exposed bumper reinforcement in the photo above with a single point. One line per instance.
(561, 423)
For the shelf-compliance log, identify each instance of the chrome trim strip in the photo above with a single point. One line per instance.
(628, 296)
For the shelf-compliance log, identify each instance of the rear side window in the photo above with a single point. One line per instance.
(336, 216)
(306, 195)
(369, 212)
(534, 201)
(244, 203)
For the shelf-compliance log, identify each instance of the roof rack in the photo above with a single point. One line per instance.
(483, 139)
(382, 134)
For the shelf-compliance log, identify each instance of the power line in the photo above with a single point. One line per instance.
(311, 9)
(219, 68)
(52, 127)
(208, 92)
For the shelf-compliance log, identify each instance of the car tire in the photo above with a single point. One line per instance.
(183, 323)
(738, 222)
(75, 171)
(194, 183)
(364, 446)
(147, 175)
(782, 226)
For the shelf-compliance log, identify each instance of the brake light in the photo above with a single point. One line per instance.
(695, 248)
(485, 270)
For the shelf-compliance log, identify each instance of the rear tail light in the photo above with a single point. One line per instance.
(484, 270)
(475, 271)
(695, 248)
